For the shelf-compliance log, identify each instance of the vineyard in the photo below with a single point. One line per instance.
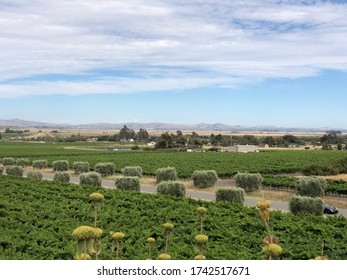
(37, 219)
(225, 164)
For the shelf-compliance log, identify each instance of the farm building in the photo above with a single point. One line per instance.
(243, 148)
(92, 140)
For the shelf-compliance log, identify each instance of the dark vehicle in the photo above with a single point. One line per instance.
(328, 209)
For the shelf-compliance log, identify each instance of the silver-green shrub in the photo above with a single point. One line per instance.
(166, 174)
(305, 204)
(14, 170)
(22, 162)
(132, 171)
(175, 188)
(61, 176)
(81, 167)
(8, 161)
(312, 186)
(248, 181)
(40, 164)
(128, 183)
(60, 165)
(105, 168)
(204, 178)
(91, 179)
(34, 175)
(232, 194)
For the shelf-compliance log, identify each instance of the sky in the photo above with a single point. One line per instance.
(253, 63)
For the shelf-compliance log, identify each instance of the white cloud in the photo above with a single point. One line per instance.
(164, 45)
(109, 86)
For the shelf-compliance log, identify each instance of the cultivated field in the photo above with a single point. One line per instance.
(38, 217)
(225, 164)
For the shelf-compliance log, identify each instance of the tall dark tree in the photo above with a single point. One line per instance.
(142, 134)
(126, 133)
(194, 140)
(269, 140)
(180, 140)
(290, 138)
(330, 138)
(165, 141)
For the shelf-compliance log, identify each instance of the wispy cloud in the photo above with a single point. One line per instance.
(164, 45)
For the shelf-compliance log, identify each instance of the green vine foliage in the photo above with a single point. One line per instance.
(38, 217)
(225, 164)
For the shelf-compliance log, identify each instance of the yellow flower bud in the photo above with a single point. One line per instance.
(83, 257)
(150, 240)
(200, 257)
(164, 256)
(272, 249)
(84, 232)
(201, 210)
(168, 226)
(201, 238)
(118, 235)
(96, 197)
(263, 204)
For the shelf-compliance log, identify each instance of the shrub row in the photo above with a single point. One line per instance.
(231, 194)
(81, 167)
(22, 162)
(132, 171)
(174, 188)
(204, 178)
(14, 170)
(248, 181)
(305, 204)
(166, 174)
(201, 178)
(128, 183)
(307, 200)
(61, 176)
(60, 165)
(312, 186)
(8, 161)
(12, 161)
(34, 175)
(91, 179)
(40, 164)
(105, 168)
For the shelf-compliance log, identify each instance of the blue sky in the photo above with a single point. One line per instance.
(281, 63)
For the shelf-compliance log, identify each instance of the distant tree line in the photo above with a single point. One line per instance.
(12, 131)
(125, 134)
(178, 140)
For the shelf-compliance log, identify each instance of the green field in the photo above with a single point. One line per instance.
(38, 217)
(225, 164)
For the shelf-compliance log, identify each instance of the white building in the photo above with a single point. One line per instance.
(243, 148)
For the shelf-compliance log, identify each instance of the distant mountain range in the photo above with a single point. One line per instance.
(18, 123)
